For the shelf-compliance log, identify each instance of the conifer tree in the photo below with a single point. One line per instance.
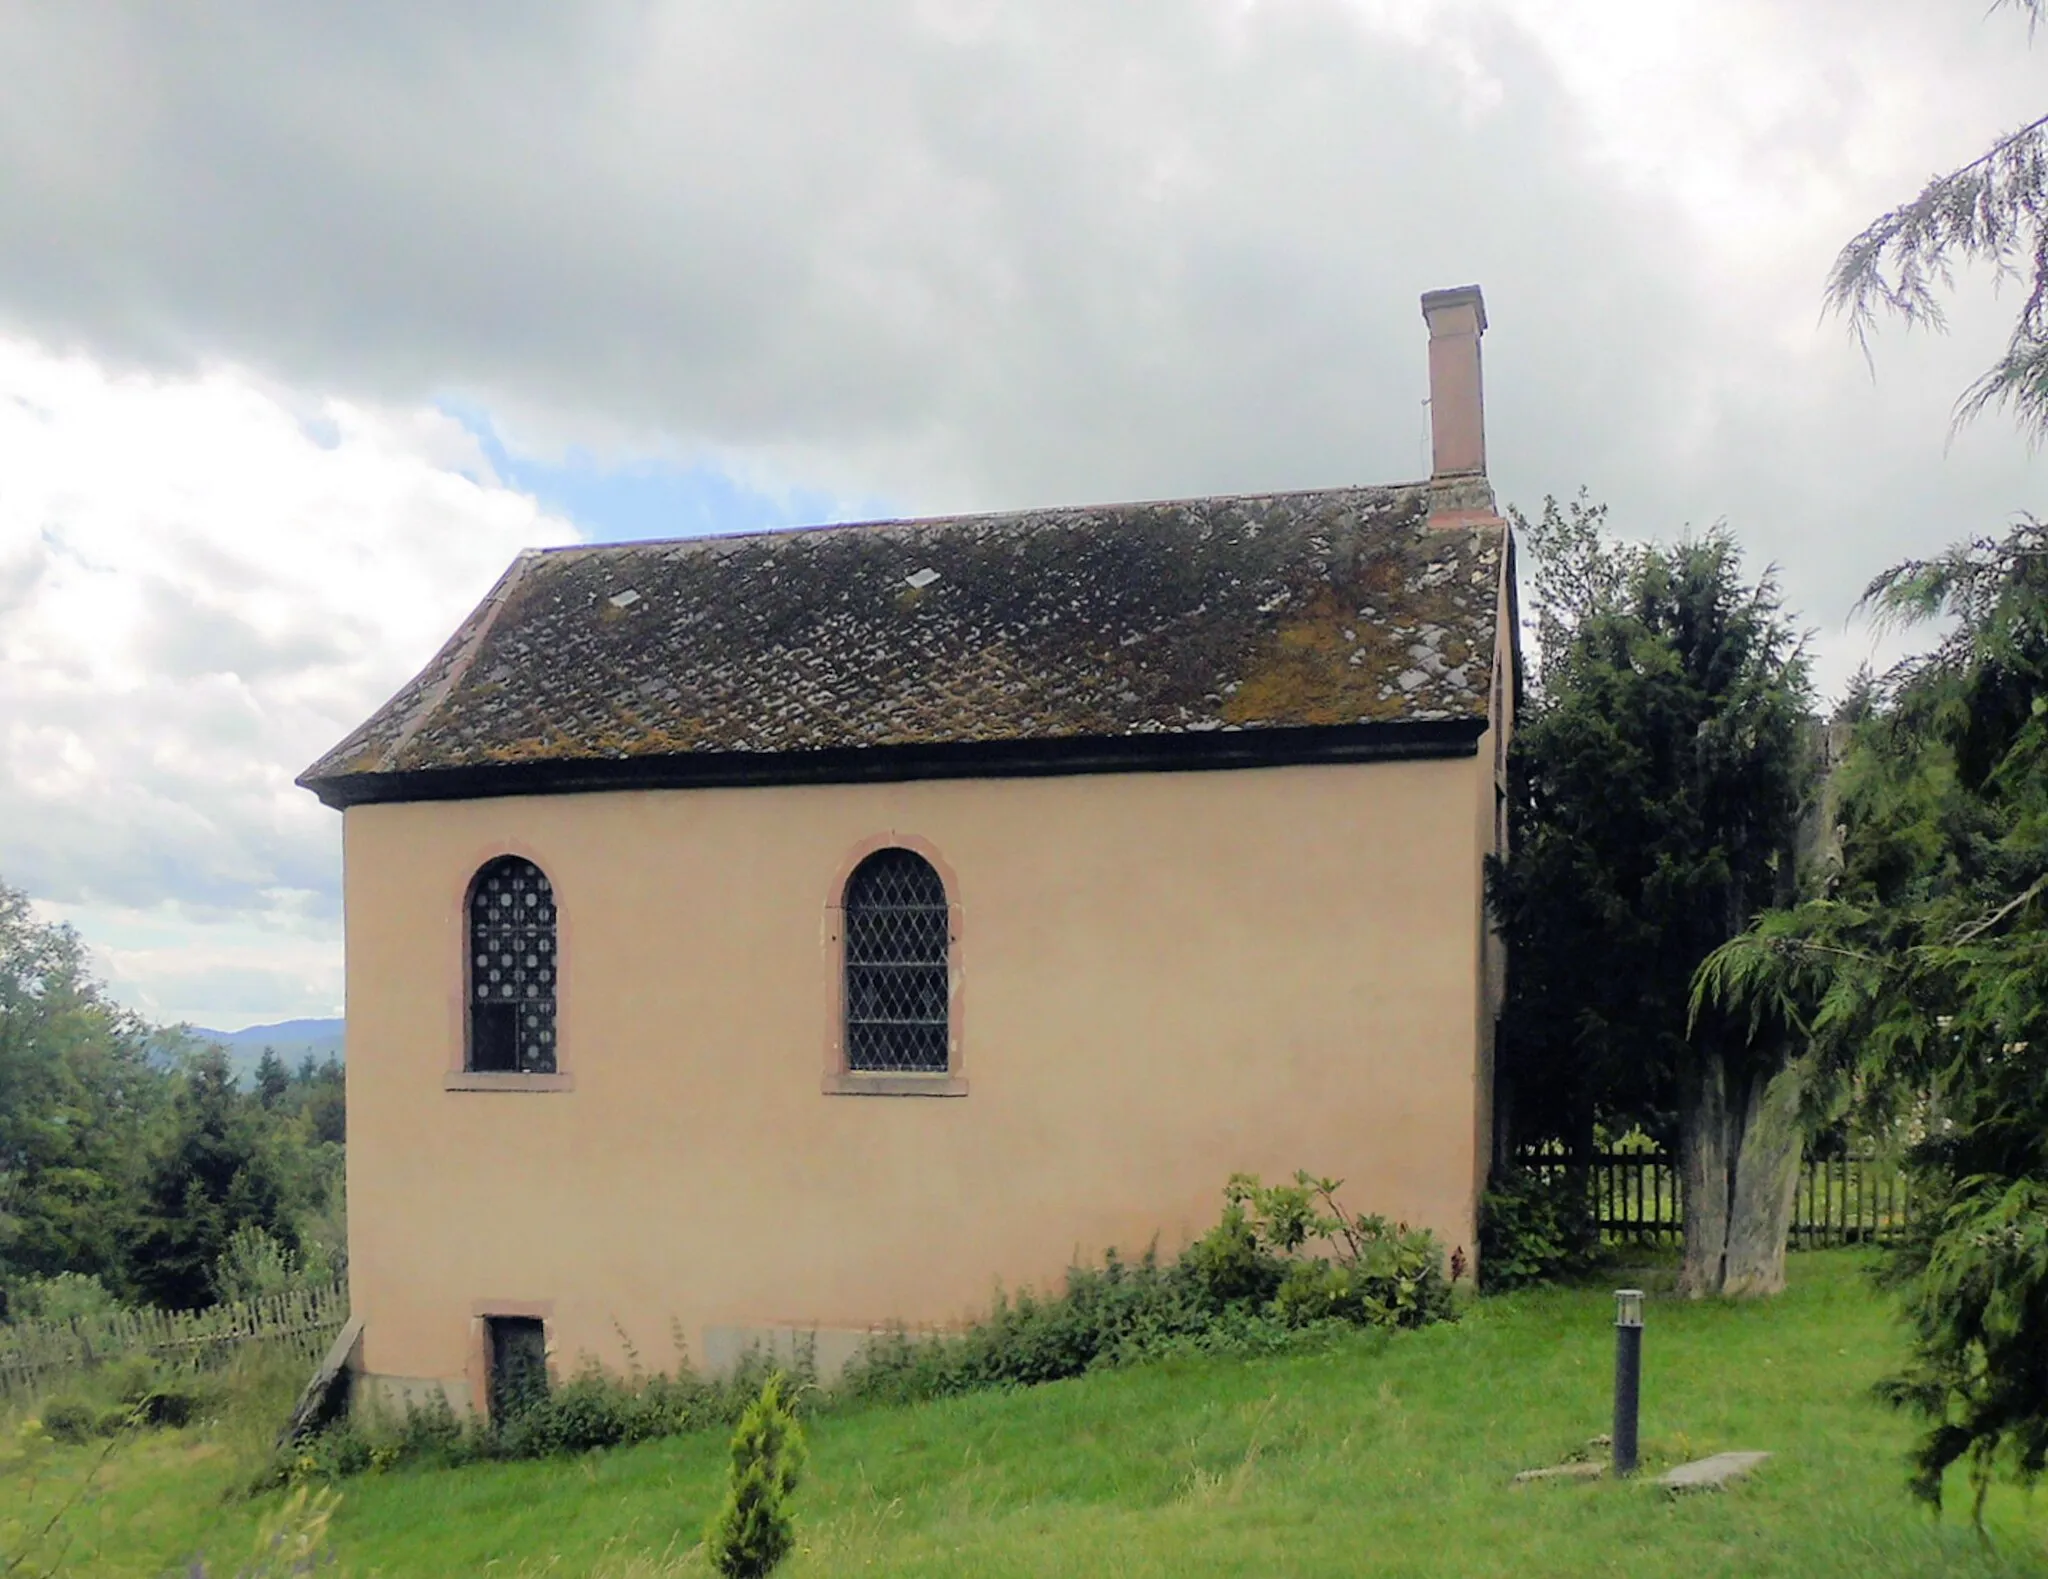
(754, 1531)
(1658, 777)
(211, 1174)
(1920, 979)
(272, 1079)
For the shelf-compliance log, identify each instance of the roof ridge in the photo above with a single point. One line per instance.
(962, 517)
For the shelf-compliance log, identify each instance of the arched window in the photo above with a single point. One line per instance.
(512, 969)
(898, 983)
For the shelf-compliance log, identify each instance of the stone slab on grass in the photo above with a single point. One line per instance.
(1710, 1474)
(1590, 1470)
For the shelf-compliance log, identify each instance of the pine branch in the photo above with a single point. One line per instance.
(2036, 11)
(1975, 210)
(1992, 209)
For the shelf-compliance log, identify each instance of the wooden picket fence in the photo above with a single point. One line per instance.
(1639, 1197)
(36, 1357)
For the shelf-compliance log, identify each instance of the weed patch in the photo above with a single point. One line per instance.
(1286, 1267)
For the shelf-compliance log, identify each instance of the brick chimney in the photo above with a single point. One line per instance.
(1460, 494)
(1457, 402)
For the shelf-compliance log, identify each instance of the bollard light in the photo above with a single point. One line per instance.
(1628, 1375)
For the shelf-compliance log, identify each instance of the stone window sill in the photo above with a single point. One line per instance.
(850, 1083)
(504, 1080)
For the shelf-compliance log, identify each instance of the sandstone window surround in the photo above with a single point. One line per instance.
(511, 972)
(892, 943)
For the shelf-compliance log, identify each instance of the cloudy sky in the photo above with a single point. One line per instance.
(311, 315)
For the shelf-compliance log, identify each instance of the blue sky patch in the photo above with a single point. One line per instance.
(649, 496)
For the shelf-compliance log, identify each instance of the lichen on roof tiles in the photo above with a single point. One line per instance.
(1341, 606)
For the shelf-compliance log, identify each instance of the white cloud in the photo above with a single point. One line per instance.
(954, 253)
(960, 253)
(279, 957)
(202, 586)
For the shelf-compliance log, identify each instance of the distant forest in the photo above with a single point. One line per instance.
(293, 1041)
(139, 1165)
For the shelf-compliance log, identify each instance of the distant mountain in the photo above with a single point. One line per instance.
(291, 1040)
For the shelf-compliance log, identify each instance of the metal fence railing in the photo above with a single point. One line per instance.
(36, 1356)
(1638, 1196)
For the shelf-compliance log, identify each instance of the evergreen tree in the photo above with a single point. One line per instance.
(325, 1104)
(1657, 776)
(754, 1531)
(272, 1080)
(1921, 980)
(209, 1176)
(1925, 976)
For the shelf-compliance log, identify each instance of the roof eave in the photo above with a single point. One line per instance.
(411, 714)
(1205, 750)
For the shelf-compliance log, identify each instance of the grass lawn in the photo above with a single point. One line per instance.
(1382, 1456)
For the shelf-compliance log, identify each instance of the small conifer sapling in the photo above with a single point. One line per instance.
(754, 1530)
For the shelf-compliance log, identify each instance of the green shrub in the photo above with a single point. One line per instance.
(592, 1410)
(1392, 1278)
(425, 1434)
(1248, 1285)
(430, 1432)
(64, 1297)
(169, 1403)
(1119, 1313)
(1232, 1263)
(353, 1446)
(151, 1395)
(129, 1378)
(337, 1454)
(254, 1264)
(70, 1420)
(126, 1394)
(595, 1409)
(1535, 1228)
(754, 1530)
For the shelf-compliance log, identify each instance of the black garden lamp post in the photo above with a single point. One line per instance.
(1628, 1375)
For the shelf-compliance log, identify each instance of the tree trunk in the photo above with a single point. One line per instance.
(1766, 1184)
(1704, 1154)
(1741, 1140)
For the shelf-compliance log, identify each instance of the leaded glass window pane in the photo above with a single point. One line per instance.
(512, 969)
(897, 981)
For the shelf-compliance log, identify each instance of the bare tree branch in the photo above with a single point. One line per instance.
(1984, 924)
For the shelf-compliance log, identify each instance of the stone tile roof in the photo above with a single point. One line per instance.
(1336, 607)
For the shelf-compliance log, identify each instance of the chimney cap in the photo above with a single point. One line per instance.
(1434, 302)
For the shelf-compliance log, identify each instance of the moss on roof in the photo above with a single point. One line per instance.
(1340, 606)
